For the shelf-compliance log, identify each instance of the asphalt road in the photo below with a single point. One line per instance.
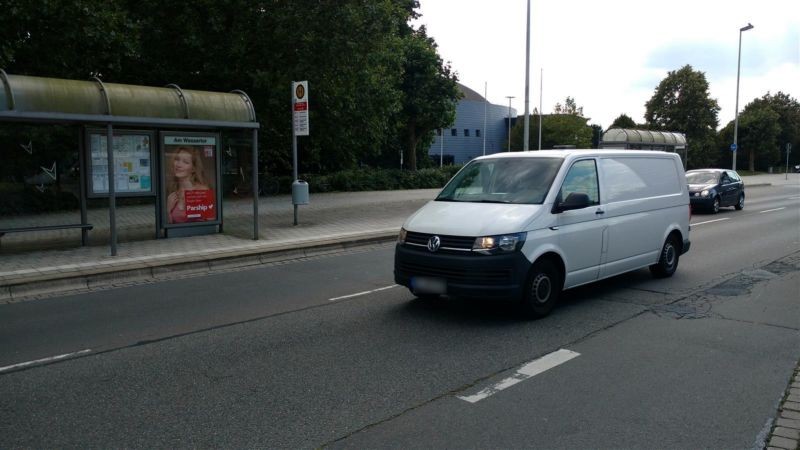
(283, 356)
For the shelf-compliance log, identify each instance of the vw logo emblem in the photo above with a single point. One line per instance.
(433, 243)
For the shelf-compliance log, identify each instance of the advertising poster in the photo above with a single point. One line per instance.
(132, 168)
(189, 168)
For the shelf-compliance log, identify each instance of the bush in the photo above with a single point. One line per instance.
(373, 180)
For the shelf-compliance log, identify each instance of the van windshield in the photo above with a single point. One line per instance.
(503, 180)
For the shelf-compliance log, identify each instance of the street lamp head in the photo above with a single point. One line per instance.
(748, 27)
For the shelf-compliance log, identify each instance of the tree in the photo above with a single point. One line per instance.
(623, 121)
(681, 103)
(430, 93)
(569, 107)
(766, 125)
(66, 38)
(758, 134)
(557, 129)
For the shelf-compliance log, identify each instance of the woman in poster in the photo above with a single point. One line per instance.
(189, 198)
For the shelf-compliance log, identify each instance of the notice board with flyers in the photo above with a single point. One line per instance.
(133, 163)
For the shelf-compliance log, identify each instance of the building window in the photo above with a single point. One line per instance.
(466, 132)
(453, 132)
(477, 133)
(439, 132)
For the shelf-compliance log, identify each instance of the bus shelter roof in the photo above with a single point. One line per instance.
(54, 100)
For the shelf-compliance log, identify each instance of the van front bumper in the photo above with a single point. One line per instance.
(467, 275)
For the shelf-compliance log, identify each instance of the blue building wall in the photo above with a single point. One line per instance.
(469, 116)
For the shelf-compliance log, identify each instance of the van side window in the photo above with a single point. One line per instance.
(582, 177)
(630, 178)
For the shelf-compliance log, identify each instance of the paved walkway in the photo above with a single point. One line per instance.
(50, 261)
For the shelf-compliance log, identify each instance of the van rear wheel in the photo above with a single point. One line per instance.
(667, 260)
(542, 290)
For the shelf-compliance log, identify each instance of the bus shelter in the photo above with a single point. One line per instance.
(132, 137)
(622, 138)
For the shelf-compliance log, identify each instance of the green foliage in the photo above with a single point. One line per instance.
(681, 103)
(374, 82)
(430, 92)
(375, 179)
(569, 107)
(766, 125)
(557, 129)
(623, 121)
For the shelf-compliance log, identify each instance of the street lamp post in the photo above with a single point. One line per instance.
(509, 97)
(736, 117)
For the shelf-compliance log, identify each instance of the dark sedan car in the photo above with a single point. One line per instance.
(709, 189)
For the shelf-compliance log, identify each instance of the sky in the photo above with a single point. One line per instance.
(610, 55)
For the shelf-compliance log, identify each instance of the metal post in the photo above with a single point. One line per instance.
(112, 194)
(294, 168)
(736, 119)
(485, 101)
(541, 86)
(441, 146)
(526, 134)
(82, 187)
(509, 97)
(255, 184)
(788, 150)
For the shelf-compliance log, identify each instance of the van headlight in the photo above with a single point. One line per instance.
(504, 243)
(704, 193)
(401, 238)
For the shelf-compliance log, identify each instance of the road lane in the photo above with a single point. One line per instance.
(665, 361)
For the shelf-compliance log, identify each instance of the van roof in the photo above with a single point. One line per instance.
(574, 152)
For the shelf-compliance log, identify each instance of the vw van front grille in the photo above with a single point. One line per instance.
(449, 244)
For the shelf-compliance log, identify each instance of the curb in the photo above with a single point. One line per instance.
(55, 282)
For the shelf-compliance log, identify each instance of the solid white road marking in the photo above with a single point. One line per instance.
(529, 370)
(44, 360)
(710, 221)
(793, 198)
(362, 293)
(770, 210)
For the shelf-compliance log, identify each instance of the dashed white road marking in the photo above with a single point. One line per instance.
(771, 210)
(710, 221)
(44, 360)
(529, 370)
(362, 293)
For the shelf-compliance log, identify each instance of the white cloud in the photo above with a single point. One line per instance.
(611, 55)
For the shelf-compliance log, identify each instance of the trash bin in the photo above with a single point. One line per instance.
(299, 192)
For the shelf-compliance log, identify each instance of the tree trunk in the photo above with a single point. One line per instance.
(411, 149)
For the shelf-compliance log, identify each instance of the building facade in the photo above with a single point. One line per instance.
(480, 128)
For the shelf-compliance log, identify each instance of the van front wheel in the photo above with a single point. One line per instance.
(668, 260)
(542, 290)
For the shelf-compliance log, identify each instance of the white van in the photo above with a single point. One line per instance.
(527, 225)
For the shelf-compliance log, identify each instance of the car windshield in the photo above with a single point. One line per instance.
(503, 180)
(702, 177)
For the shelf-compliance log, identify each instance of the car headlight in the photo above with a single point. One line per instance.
(401, 238)
(704, 193)
(504, 243)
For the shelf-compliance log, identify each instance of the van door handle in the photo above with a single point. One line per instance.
(599, 211)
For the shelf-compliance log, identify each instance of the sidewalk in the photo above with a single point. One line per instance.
(48, 262)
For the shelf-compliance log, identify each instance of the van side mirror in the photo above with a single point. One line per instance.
(575, 200)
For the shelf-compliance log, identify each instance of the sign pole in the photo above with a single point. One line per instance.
(788, 150)
(294, 166)
(300, 127)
